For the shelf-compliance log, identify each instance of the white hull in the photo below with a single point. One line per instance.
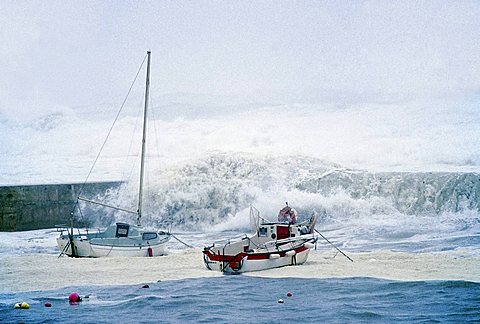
(83, 248)
(248, 265)
(134, 242)
(128, 251)
(273, 245)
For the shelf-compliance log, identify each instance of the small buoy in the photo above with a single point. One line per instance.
(159, 280)
(289, 294)
(74, 297)
(47, 304)
(22, 305)
(280, 301)
(145, 286)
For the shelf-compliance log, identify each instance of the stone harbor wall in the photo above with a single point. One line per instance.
(42, 206)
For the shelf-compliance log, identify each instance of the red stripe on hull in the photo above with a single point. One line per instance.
(252, 256)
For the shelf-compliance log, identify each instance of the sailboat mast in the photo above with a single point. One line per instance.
(144, 138)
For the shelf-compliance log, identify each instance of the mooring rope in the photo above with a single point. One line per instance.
(333, 245)
(179, 240)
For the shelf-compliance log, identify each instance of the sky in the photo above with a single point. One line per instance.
(84, 53)
(377, 85)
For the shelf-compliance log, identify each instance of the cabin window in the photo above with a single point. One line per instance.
(149, 236)
(122, 230)
(262, 231)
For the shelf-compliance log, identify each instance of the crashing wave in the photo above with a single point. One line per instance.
(209, 191)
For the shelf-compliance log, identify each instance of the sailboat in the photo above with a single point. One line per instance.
(121, 239)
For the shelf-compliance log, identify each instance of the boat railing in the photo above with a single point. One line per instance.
(225, 242)
(270, 245)
(274, 244)
(65, 228)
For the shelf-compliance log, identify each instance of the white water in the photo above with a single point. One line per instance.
(30, 262)
(60, 145)
(207, 167)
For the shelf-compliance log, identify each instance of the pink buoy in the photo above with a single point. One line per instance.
(289, 294)
(74, 297)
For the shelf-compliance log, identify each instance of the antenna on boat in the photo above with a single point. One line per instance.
(142, 163)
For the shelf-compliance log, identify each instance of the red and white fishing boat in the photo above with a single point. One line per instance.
(275, 244)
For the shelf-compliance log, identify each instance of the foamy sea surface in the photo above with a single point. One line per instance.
(380, 285)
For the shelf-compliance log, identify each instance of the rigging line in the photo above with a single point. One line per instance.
(187, 245)
(333, 245)
(128, 173)
(106, 205)
(111, 128)
(157, 143)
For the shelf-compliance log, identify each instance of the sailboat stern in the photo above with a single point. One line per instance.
(75, 247)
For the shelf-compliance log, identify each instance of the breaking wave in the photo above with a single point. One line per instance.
(355, 206)
(204, 183)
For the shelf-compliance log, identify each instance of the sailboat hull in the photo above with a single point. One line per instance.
(84, 248)
(133, 242)
(129, 251)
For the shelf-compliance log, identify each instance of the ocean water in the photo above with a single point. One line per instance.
(389, 284)
(254, 300)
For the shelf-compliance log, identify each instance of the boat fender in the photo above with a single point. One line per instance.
(150, 252)
(309, 245)
(290, 253)
(22, 305)
(274, 256)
